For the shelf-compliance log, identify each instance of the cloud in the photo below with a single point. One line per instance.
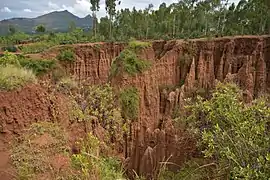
(27, 10)
(79, 7)
(5, 9)
(53, 5)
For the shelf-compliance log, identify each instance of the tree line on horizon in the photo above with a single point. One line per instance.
(185, 19)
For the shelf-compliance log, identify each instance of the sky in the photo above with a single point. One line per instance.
(81, 8)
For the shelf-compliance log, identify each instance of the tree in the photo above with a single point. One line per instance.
(104, 26)
(110, 8)
(40, 29)
(190, 19)
(94, 9)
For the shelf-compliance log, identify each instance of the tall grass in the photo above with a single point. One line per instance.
(36, 47)
(12, 77)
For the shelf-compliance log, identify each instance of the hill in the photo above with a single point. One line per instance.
(57, 21)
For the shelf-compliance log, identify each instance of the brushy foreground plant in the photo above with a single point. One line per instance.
(35, 154)
(12, 77)
(234, 135)
(92, 165)
(97, 104)
(9, 59)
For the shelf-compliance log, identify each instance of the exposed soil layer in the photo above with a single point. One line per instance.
(188, 66)
(179, 70)
(19, 109)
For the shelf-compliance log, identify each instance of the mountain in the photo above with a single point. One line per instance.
(57, 21)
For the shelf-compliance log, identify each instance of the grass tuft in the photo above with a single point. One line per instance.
(35, 47)
(66, 84)
(12, 77)
(134, 44)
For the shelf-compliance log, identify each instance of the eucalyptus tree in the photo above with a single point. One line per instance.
(94, 8)
(111, 10)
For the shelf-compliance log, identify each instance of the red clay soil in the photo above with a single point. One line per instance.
(197, 65)
(19, 109)
(243, 60)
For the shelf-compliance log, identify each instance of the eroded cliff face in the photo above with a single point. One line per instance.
(187, 66)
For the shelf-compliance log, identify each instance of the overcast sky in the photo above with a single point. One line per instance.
(81, 8)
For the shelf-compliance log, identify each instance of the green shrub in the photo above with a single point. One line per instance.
(234, 134)
(12, 77)
(9, 59)
(66, 55)
(87, 159)
(92, 165)
(99, 102)
(38, 66)
(10, 48)
(129, 100)
(110, 168)
(128, 62)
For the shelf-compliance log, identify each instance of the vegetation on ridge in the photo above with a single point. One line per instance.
(128, 60)
(66, 55)
(12, 77)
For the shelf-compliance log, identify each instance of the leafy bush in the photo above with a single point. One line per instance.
(233, 134)
(12, 77)
(87, 159)
(38, 66)
(128, 62)
(66, 55)
(10, 48)
(129, 100)
(98, 102)
(9, 59)
(93, 166)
